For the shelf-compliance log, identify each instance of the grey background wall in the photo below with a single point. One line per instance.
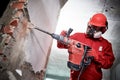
(57, 68)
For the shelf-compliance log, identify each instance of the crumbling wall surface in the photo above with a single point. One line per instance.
(13, 32)
(22, 48)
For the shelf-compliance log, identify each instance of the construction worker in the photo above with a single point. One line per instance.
(101, 48)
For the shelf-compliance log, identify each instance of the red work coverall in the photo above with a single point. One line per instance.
(105, 60)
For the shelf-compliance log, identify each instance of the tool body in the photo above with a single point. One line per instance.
(78, 58)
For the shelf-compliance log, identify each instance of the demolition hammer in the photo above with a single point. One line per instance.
(56, 36)
(65, 40)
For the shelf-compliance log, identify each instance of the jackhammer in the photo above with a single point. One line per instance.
(76, 51)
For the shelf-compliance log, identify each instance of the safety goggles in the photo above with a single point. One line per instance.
(96, 28)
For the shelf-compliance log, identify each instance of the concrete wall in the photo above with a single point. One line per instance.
(30, 50)
(43, 14)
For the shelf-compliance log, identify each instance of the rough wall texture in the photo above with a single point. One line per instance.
(22, 48)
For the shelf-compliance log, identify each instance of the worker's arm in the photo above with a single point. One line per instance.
(107, 58)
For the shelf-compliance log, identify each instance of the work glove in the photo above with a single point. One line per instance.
(63, 33)
(60, 44)
(92, 53)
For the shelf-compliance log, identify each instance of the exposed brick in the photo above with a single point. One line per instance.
(18, 5)
(14, 23)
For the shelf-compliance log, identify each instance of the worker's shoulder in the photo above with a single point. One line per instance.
(79, 34)
(106, 41)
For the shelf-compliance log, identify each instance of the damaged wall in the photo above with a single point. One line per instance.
(22, 47)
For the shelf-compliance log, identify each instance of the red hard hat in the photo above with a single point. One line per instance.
(98, 20)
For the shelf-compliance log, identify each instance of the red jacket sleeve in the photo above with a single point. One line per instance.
(107, 58)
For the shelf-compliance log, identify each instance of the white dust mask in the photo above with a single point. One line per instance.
(97, 34)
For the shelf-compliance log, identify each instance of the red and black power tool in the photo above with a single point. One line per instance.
(78, 57)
